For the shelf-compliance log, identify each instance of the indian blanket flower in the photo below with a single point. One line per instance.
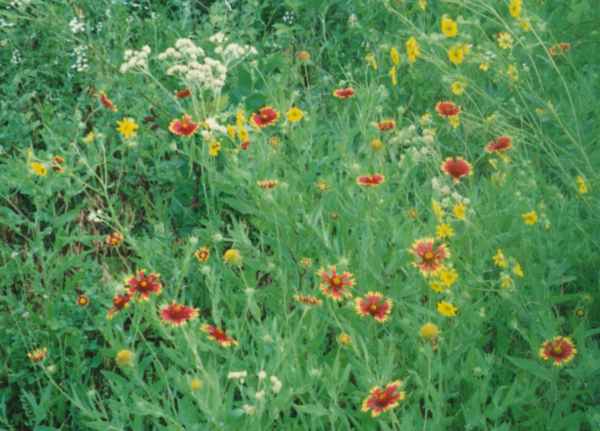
(114, 239)
(499, 144)
(202, 254)
(530, 218)
(429, 257)
(183, 93)
(294, 114)
(184, 126)
(448, 26)
(413, 51)
(344, 93)
(370, 180)
(38, 355)
(456, 168)
(446, 309)
(177, 315)
(57, 162)
(218, 335)
(127, 127)
(266, 116)
(374, 304)
(119, 303)
(267, 184)
(144, 284)
(559, 48)
(381, 400)
(386, 125)
(447, 109)
(334, 285)
(106, 102)
(560, 349)
(38, 169)
(307, 299)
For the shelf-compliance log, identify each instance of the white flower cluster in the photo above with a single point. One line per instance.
(81, 62)
(209, 73)
(261, 390)
(16, 57)
(77, 25)
(135, 59)
(18, 4)
(445, 192)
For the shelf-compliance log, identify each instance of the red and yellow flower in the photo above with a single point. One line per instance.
(144, 284)
(267, 184)
(371, 180)
(183, 93)
(447, 109)
(307, 299)
(83, 300)
(430, 258)
(106, 102)
(119, 303)
(266, 116)
(184, 126)
(374, 304)
(177, 315)
(334, 285)
(456, 168)
(38, 355)
(202, 254)
(498, 145)
(217, 335)
(386, 125)
(381, 400)
(560, 349)
(344, 93)
(114, 239)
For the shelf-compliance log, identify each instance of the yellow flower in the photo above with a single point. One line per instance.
(454, 121)
(231, 132)
(449, 27)
(525, 24)
(456, 54)
(196, 384)
(303, 56)
(214, 148)
(446, 309)
(423, 4)
(243, 134)
(394, 75)
(484, 67)
(124, 358)
(413, 50)
(506, 281)
(429, 331)
(425, 119)
(344, 339)
(371, 61)
(376, 144)
(514, 8)
(322, 185)
(505, 40)
(459, 210)
(232, 256)
(438, 210)
(444, 230)
(500, 260)
(127, 127)
(38, 355)
(240, 118)
(447, 276)
(458, 87)
(294, 114)
(512, 72)
(89, 138)
(395, 56)
(38, 169)
(518, 270)
(530, 217)
(437, 286)
(582, 187)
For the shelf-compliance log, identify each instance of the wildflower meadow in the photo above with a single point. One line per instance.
(299, 215)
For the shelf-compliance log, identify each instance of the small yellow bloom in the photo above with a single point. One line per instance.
(429, 331)
(582, 187)
(458, 88)
(240, 118)
(124, 358)
(322, 185)
(484, 67)
(231, 131)
(449, 27)
(423, 4)
(518, 270)
(413, 51)
(444, 230)
(196, 384)
(454, 121)
(89, 138)
(505, 40)
(344, 339)
(371, 61)
(127, 127)
(395, 56)
(456, 54)
(232, 256)
(530, 217)
(525, 24)
(214, 148)
(446, 309)
(447, 276)
(376, 144)
(506, 281)
(512, 72)
(38, 355)
(459, 210)
(500, 260)
(294, 114)
(514, 8)
(438, 210)
(38, 169)
(393, 75)
(243, 134)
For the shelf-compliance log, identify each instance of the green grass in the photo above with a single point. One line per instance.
(168, 197)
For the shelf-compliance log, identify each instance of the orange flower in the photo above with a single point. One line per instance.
(83, 300)
(106, 102)
(375, 305)
(182, 94)
(202, 254)
(38, 355)
(307, 299)
(344, 93)
(119, 303)
(447, 109)
(218, 335)
(177, 315)
(370, 180)
(500, 144)
(144, 284)
(266, 116)
(382, 400)
(183, 127)
(336, 285)
(267, 184)
(114, 239)
(456, 167)
(386, 125)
